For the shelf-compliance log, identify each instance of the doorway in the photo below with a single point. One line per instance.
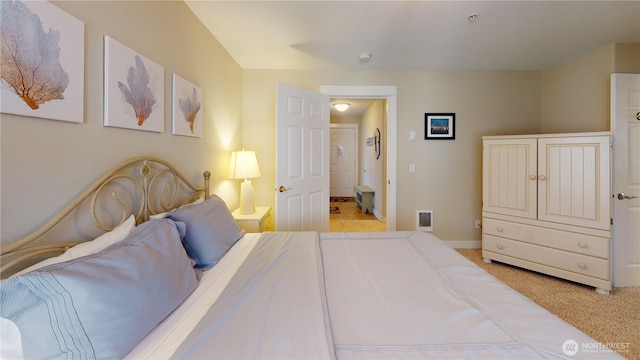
(353, 161)
(388, 134)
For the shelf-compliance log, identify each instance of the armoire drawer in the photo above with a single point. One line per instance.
(558, 239)
(577, 263)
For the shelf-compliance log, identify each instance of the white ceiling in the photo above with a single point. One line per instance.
(416, 35)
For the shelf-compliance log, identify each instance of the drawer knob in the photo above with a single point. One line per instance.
(542, 177)
(532, 177)
(582, 266)
(499, 229)
(499, 246)
(582, 244)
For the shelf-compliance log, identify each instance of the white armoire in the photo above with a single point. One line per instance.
(546, 205)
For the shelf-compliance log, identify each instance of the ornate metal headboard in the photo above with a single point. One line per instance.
(142, 186)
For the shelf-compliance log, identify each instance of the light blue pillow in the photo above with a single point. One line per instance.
(102, 305)
(211, 230)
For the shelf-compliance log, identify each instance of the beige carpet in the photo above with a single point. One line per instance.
(613, 319)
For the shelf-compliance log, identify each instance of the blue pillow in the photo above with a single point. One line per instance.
(211, 230)
(101, 305)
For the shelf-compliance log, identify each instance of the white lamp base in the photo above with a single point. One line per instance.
(246, 198)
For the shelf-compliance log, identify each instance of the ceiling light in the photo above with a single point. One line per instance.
(471, 18)
(364, 57)
(341, 106)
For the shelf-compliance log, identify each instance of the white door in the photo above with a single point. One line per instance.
(343, 160)
(625, 124)
(302, 161)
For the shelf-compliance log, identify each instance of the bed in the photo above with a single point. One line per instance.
(173, 276)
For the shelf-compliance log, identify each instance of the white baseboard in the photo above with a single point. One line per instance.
(378, 215)
(464, 244)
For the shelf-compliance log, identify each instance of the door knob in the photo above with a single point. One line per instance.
(282, 189)
(622, 196)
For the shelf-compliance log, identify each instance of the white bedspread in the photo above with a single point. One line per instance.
(408, 295)
(398, 295)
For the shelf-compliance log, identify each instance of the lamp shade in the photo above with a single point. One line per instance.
(243, 165)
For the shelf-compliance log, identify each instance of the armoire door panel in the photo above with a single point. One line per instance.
(509, 177)
(572, 186)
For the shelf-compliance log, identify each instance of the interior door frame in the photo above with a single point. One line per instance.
(388, 93)
(355, 127)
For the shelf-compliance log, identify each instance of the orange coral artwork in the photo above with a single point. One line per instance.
(186, 118)
(42, 61)
(133, 89)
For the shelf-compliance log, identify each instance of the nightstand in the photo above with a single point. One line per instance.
(256, 222)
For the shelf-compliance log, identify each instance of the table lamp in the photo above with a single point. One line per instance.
(244, 165)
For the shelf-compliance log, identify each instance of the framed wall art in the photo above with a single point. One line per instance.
(439, 126)
(186, 117)
(133, 89)
(42, 61)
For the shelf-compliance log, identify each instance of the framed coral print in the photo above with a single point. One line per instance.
(186, 117)
(133, 89)
(439, 126)
(42, 61)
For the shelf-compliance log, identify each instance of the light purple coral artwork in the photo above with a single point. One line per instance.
(134, 85)
(41, 61)
(186, 118)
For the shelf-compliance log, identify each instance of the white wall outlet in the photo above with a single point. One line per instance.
(412, 168)
(412, 135)
(478, 224)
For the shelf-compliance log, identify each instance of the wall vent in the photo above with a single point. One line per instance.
(424, 220)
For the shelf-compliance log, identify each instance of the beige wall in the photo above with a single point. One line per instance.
(45, 163)
(575, 94)
(627, 58)
(448, 173)
(345, 119)
(372, 170)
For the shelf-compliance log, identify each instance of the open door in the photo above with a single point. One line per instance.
(625, 124)
(302, 159)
